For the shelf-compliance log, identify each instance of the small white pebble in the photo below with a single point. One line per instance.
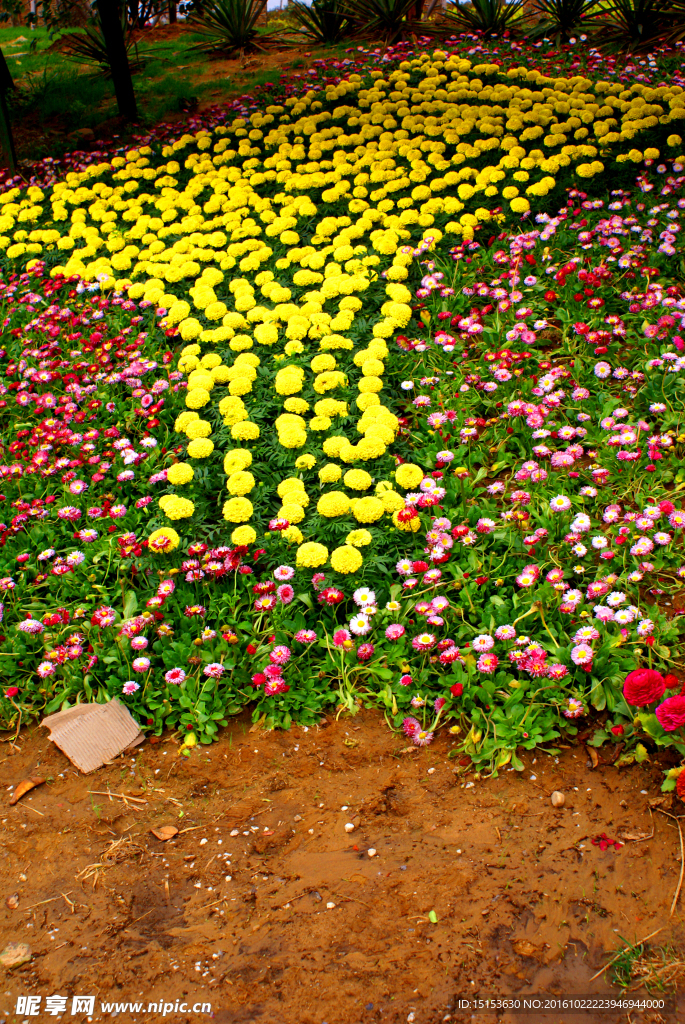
(235, 832)
(371, 852)
(202, 842)
(311, 831)
(330, 906)
(431, 770)
(349, 827)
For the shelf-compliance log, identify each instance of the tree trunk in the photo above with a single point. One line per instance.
(6, 81)
(110, 17)
(172, 12)
(7, 155)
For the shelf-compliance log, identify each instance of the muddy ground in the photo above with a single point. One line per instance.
(265, 907)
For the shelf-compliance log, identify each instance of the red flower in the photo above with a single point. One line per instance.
(251, 649)
(680, 786)
(617, 730)
(457, 689)
(671, 713)
(643, 686)
(11, 691)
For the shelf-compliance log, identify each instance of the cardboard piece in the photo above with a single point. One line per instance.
(91, 735)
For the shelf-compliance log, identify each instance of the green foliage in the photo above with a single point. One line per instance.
(381, 19)
(89, 47)
(229, 26)
(559, 18)
(634, 25)
(489, 17)
(323, 21)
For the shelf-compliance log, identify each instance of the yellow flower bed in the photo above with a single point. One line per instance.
(265, 241)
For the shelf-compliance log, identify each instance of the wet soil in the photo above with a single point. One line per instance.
(265, 907)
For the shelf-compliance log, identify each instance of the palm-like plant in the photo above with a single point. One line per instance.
(89, 47)
(229, 26)
(559, 18)
(489, 17)
(324, 21)
(384, 19)
(637, 24)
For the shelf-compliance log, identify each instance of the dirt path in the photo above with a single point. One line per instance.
(266, 908)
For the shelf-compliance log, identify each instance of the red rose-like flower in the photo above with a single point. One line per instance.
(643, 686)
(11, 691)
(457, 689)
(671, 713)
(617, 730)
(680, 786)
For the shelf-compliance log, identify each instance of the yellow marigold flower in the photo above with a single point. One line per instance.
(322, 362)
(293, 535)
(368, 448)
(183, 419)
(163, 541)
(289, 380)
(332, 446)
(180, 473)
(200, 448)
(409, 476)
(197, 398)
(174, 507)
(330, 473)
(237, 459)
(413, 525)
(335, 503)
(243, 536)
(190, 328)
(305, 462)
(296, 405)
(239, 386)
(370, 384)
(346, 559)
(237, 510)
(240, 483)
(292, 512)
(291, 483)
(198, 428)
(358, 538)
(391, 501)
(368, 510)
(311, 555)
(520, 205)
(200, 379)
(358, 479)
(245, 431)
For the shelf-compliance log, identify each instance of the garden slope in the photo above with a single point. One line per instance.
(529, 905)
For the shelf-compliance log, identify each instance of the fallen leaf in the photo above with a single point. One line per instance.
(634, 837)
(592, 754)
(165, 833)
(24, 787)
(525, 948)
(661, 801)
(15, 954)
(351, 743)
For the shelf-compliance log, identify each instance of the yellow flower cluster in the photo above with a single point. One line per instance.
(272, 235)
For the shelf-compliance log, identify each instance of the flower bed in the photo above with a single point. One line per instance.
(373, 395)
